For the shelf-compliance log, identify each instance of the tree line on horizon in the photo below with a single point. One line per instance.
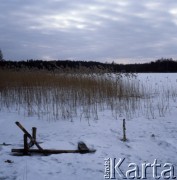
(160, 65)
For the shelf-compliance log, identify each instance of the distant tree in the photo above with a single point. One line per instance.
(1, 55)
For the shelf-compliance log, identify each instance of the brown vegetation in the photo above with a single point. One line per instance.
(66, 95)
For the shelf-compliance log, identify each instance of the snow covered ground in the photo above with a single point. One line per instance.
(151, 135)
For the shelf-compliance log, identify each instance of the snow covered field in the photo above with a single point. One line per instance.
(151, 133)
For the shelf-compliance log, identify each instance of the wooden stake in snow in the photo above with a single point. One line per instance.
(26, 147)
(34, 129)
(124, 131)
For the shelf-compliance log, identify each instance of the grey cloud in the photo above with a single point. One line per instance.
(82, 29)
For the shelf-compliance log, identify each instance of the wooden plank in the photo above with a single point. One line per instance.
(50, 151)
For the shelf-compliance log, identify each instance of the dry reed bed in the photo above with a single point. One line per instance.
(67, 95)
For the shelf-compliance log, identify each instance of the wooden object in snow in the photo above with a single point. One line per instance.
(82, 147)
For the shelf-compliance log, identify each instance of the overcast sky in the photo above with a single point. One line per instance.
(104, 30)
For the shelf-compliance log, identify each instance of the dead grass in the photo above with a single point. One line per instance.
(67, 95)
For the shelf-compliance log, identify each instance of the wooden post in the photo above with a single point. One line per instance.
(34, 129)
(25, 138)
(124, 131)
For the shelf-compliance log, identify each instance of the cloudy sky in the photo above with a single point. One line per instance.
(104, 30)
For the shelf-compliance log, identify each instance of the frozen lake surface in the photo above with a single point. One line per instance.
(151, 134)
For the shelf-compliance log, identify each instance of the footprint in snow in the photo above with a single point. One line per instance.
(71, 143)
(69, 164)
(114, 131)
(88, 170)
(99, 170)
(164, 144)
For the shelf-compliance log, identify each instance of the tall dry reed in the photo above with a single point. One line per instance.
(67, 95)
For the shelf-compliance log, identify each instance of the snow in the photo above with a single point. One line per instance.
(149, 137)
